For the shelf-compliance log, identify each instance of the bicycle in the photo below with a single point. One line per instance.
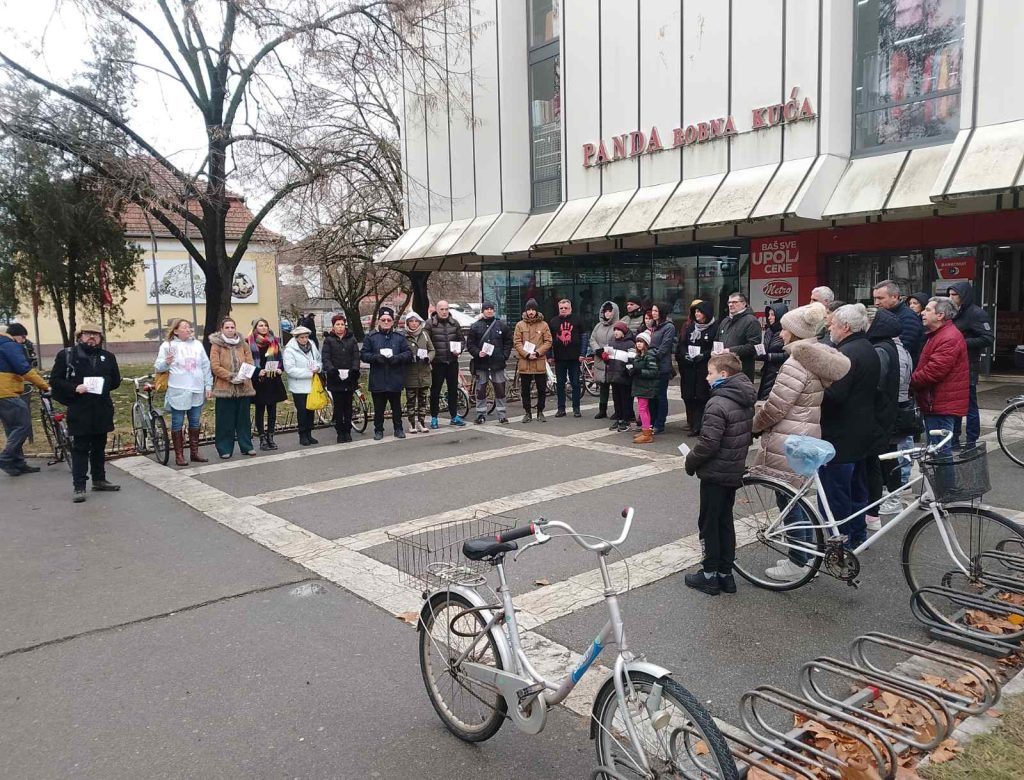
(643, 722)
(513, 389)
(360, 411)
(1010, 429)
(56, 429)
(590, 383)
(954, 541)
(149, 429)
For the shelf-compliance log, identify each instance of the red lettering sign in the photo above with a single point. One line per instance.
(777, 288)
(955, 268)
(771, 258)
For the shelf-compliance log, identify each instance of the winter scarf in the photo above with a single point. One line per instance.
(258, 342)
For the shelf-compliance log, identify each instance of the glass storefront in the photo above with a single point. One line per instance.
(853, 277)
(672, 277)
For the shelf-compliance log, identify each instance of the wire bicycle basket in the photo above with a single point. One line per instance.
(960, 476)
(432, 557)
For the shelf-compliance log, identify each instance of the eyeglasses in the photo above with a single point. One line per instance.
(384, 319)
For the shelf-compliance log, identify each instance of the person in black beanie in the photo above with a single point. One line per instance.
(634, 314)
(387, 352)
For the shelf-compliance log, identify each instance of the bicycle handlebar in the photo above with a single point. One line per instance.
(946, 437)
(538, 528)
(516, 533)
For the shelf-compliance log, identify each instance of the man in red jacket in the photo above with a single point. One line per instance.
(942, 379)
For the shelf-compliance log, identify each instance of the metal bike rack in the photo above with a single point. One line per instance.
(962, 634)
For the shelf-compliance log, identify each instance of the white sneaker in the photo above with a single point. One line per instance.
(892, 506)
(873, 523)
(786, 570)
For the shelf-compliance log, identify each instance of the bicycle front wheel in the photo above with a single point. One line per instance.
(1010, 432)
(161, 442)
(686, 743)
(463, 403)
(590, 383)
(471, 710)
(360, 414)
(763, 537)
(141, 431)
(986, 544)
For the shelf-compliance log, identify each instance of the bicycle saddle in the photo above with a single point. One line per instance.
(480, 549)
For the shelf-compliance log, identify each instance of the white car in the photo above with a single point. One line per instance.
(465, 320)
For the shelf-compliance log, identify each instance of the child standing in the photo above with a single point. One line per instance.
(645, 385)
(616, 375)
(719, 460)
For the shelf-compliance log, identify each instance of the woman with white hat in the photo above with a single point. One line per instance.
(301, 362)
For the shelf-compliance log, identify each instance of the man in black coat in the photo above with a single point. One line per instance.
(974, 323)
(567, 350)
(848, 421)
(883, 331)
(83, 377)
(444, 332)
(887, 296)
(490, 344)
(740, 332)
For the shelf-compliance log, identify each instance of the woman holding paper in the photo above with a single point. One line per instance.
(301, 361)
(695, 346)
(417, 372)
(341, 374)
(268, 384)
(189, 385)
(233, 368)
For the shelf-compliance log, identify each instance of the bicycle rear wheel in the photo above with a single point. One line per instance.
(360, 413)
(471, 710)
(687, 744)
(161, 441)
(992, 547)
(590, 383)
(462, 402)
(141, 431)
(759, 539)
(1010, 432)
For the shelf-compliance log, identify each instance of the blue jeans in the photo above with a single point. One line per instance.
(846, 489)
(905, 463)
(660, 410)
(17, 422)
(567, 369)
(973, 419)
(178, 417)
(798, 535)
(941, 422)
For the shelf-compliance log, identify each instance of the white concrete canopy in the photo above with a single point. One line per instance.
(471, 237)
(865, 186)
(426, 240)
(642, 210)
(738, 195)
(527, 235)
(402, 244)
(602, 216)
(566, 220)
(687, 202)
(447, 239)
(917, 179)
(990, 160)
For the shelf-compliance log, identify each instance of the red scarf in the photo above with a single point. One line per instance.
(258, 342)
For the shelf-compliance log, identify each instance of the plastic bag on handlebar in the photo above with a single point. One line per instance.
(806, 455)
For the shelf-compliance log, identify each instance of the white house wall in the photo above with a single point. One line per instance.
(581, 117)
(620, 87)
(461, 146)
(514, 104)
(1001, 78)
(486, 125)
(661, 29)
(802, 70)
(705, 81)
(757, 35)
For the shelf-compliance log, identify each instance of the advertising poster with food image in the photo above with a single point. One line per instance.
(172, 284)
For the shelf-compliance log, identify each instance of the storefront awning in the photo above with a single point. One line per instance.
(687, 203)
(453, 246)
(602, 217)
(527, 235)
(642, 210)
(565, 222)
(987, 160)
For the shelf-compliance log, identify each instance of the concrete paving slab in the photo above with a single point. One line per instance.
(342, 512)
(67, 568)
(303, 681)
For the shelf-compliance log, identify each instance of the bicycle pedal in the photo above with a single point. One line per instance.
(853, 583)
(529, 692)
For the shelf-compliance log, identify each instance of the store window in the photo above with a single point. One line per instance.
(907, 72)
(545, 104)
(544, 24)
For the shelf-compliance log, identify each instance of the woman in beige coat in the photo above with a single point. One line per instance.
(232, 389)
(793, 407)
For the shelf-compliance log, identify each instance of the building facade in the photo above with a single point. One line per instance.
(676, 149)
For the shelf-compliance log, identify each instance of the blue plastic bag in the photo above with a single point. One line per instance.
(806, 454)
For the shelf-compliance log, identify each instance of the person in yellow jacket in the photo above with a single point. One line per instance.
(15, 370)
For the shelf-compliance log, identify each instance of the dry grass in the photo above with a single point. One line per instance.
(998, 755)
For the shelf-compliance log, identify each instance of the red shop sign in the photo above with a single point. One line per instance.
(955, 268)
(774, 257)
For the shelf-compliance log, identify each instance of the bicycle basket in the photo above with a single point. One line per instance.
(432, 556)
(961, 476)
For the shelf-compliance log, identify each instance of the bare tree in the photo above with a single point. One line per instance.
(247, 68)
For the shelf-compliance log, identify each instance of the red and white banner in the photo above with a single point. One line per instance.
(775, 271)
(954, 269)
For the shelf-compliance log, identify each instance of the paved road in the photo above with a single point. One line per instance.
(238, 619)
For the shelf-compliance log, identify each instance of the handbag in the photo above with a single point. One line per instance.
(909, 420)
(317, 398)
(160, 381)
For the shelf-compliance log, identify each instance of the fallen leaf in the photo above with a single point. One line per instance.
(994, 713)
(858, 768)
(701, 748)
(412, 618)
(906, 773)
(946, 751)
(541, 582)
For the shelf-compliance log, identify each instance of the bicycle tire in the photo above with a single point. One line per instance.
(140, 430)
(590, 383)
(161, 442)
(691, 721)
(49, 431)
(925, 560)
(64, 443)
(462, 403)
(360, 413)
(1005, 437)
(751, 559)
(436, 637)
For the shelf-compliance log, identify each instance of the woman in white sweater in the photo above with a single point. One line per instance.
(189, 386)
(302, 360)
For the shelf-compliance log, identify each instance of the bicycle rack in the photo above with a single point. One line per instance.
(961, 634)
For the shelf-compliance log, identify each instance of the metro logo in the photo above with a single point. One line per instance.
(777, 288)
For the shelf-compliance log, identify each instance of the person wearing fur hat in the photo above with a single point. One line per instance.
(15, 370)
(341, 374)
(600, 336)
(621, 350)
(387, 352)
(692, 353)
(793, 407)
(417, 372)
(533, 369)
(82, 378)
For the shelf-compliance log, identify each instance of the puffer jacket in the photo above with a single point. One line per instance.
(941, 381)
(299, 365)
(774, 354)
(882, 334)
(911, 329)
(15, 369)
(848, 407)
(644, 370)
(726, 432)
(417, 370)
(617, 371)
(536, 331)
(974, 323)
(635, 321)
(793, 407)
(693, 371)
(442, 333)
(663, 344)
(225, 362)
(341, 352)
(739, 334)
(600, 337)
(387, 374)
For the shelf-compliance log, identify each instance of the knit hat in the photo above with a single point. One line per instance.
(337, 317)
(805, 322)
(385, 310)
(488, 305)
(634, 299)
(16, 329)
(645, 337)
(623, 326)
(531, 305)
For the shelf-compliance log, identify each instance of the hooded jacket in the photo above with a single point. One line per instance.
(387, 374)
(89, 414)
(774, 354)
(848, 407)
(885, 328)
(341, 352)
(15, 369)
(693, 370)
(225, 362)
(974, 323)
(911, 329)
(536, 331)
(417, 370)
(442, 333)
(942, 380)
(726, 433)
(793, 407)
(739, 334)
(922, 298)
(601, 336)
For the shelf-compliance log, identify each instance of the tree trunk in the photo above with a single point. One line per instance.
(355, 324)
(420, 298)
(59, 312)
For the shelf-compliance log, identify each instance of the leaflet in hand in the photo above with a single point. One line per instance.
(93, 384)
(421, 354)
(487, 349)
(246, 370)
(529, 347)
(273, 365)
(455, 347)
(386, 352)
(343, 373)
(693, 351)
(621, 355)
(718, 346)
(759, 349)
(684, 450)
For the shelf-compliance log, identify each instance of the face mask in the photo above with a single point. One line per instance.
(718, 381)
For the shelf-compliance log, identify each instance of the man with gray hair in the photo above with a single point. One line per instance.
(887, 296)
(942, 378)
(822, 295)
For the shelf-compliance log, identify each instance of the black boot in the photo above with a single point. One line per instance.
(264, 442)
(271, 444)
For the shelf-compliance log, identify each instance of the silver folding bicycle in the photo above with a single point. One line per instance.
(477, 673)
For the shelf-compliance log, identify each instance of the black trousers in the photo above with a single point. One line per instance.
(526, 382)
(342, 400)
(88, 453)
(380, 400)
(881, 474)
(303, 417)
(271, 415)
(602, 399)
(717, 532)
(623, 400)
(442, 374)
(695, 414)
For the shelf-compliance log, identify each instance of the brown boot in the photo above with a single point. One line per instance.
(646, 436)
(178, 440)
(193, 446)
